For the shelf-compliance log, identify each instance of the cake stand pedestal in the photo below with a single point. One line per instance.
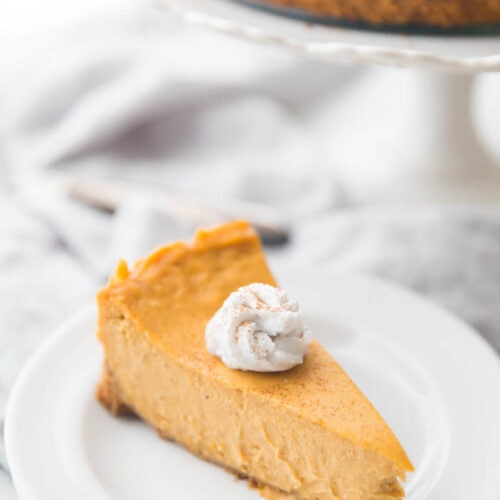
(417, 144)
(430, 151)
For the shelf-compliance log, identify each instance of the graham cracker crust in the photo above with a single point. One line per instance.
(109, 395)
(437, 13)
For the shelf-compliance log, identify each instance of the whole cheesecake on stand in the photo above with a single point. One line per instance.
(404, 13)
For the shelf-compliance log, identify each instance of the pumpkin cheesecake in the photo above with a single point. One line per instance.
(307, 433)
(418, 13)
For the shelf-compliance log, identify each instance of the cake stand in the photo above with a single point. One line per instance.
(422, 144)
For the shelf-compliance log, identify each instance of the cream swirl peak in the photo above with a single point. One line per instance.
(258, 328)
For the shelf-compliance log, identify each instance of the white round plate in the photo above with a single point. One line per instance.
(458, 53)
(433, 379)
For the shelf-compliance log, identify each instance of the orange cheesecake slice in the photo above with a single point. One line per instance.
(306, 433)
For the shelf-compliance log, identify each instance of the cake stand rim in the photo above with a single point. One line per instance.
(334, 50)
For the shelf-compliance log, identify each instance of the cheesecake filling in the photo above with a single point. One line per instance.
(258, 328)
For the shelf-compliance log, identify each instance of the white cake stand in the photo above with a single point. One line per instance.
(431, 150)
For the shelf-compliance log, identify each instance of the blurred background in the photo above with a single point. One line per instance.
(121, 127)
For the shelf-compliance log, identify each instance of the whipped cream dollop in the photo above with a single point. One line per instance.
(258, 328)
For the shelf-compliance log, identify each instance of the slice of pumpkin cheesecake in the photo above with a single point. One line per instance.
(304, 433)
